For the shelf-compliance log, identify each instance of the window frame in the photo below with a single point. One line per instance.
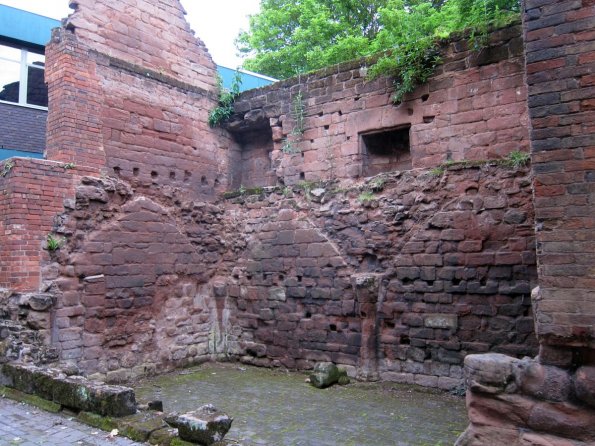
(23, 74)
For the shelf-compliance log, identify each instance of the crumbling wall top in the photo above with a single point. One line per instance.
(149, 33)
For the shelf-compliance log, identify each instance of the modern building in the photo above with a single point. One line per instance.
(23, 92)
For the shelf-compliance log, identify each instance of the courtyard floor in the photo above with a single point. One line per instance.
(276, 408)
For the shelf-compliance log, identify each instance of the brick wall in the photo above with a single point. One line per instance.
(560, 47)
(74, 129)
(140, 109)
(22, 128)
(474, 107)
(549, 399)
(31, 194)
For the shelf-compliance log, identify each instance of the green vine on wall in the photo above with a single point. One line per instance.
(224, 109)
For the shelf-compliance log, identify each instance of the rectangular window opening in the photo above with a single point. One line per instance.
(22, 77)
(386, 150)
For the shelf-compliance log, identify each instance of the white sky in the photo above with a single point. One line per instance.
(216, 22)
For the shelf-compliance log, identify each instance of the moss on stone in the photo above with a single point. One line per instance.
(180, 442)
(34, 400)
(163, 437)
(138, 427)
(98, 421)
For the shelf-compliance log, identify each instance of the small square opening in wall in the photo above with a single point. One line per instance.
(386, 150)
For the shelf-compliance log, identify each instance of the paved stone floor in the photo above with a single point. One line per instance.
(24, 425)
(275, 408)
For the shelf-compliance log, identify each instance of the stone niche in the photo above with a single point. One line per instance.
(386, 150)
(251, 166)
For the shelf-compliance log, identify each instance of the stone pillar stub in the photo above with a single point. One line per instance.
(366, 288)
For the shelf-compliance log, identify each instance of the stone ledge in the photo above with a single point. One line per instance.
(74, 392)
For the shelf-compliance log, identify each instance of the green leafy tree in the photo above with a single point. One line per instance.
(289, 37)
(294, 36)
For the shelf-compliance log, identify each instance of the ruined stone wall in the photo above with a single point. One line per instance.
(560, 46)
(32, 192)
(133, 292)
(551, 399)
(474, 107)
(397, 278)
(130, 90)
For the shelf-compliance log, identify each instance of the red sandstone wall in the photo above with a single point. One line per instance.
(550, 400)
(31, 194)
(451, 257)
(474, 107)
(133, 292)
(130, 90)
(152, 34)
(560, 44)
(401, 288)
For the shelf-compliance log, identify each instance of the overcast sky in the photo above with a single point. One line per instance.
(216, 22)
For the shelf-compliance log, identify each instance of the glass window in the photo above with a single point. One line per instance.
(37, 90)
(35, 59)
(22, 77)
(7, 52)
(10, 75)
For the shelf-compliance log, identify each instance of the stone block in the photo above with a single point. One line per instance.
(541, 381)
(204, 426)
(491, 373)
(74, 392)
(326, 374)
(447, 321)
(277, 294)
(584, 384)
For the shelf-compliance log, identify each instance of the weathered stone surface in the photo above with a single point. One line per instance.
(564, 419)
(73, 392)
(584, 384)
(448, 321)
(204, 426)
(40, 301)
(326, 374)
(544, 382)
(491, 373)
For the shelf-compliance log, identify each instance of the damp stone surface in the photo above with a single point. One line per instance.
(273, 407)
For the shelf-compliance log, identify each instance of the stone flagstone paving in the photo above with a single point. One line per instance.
(275, 408)
(25, 425)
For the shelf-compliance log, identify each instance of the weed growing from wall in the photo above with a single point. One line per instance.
(53, 244)
(290, 146)
(514, 160)
(225, 110)
(518, 159)
(6, 168)
(365, 197)
(297, 113)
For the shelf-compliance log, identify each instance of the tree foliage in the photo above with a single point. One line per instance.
(289, 37)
